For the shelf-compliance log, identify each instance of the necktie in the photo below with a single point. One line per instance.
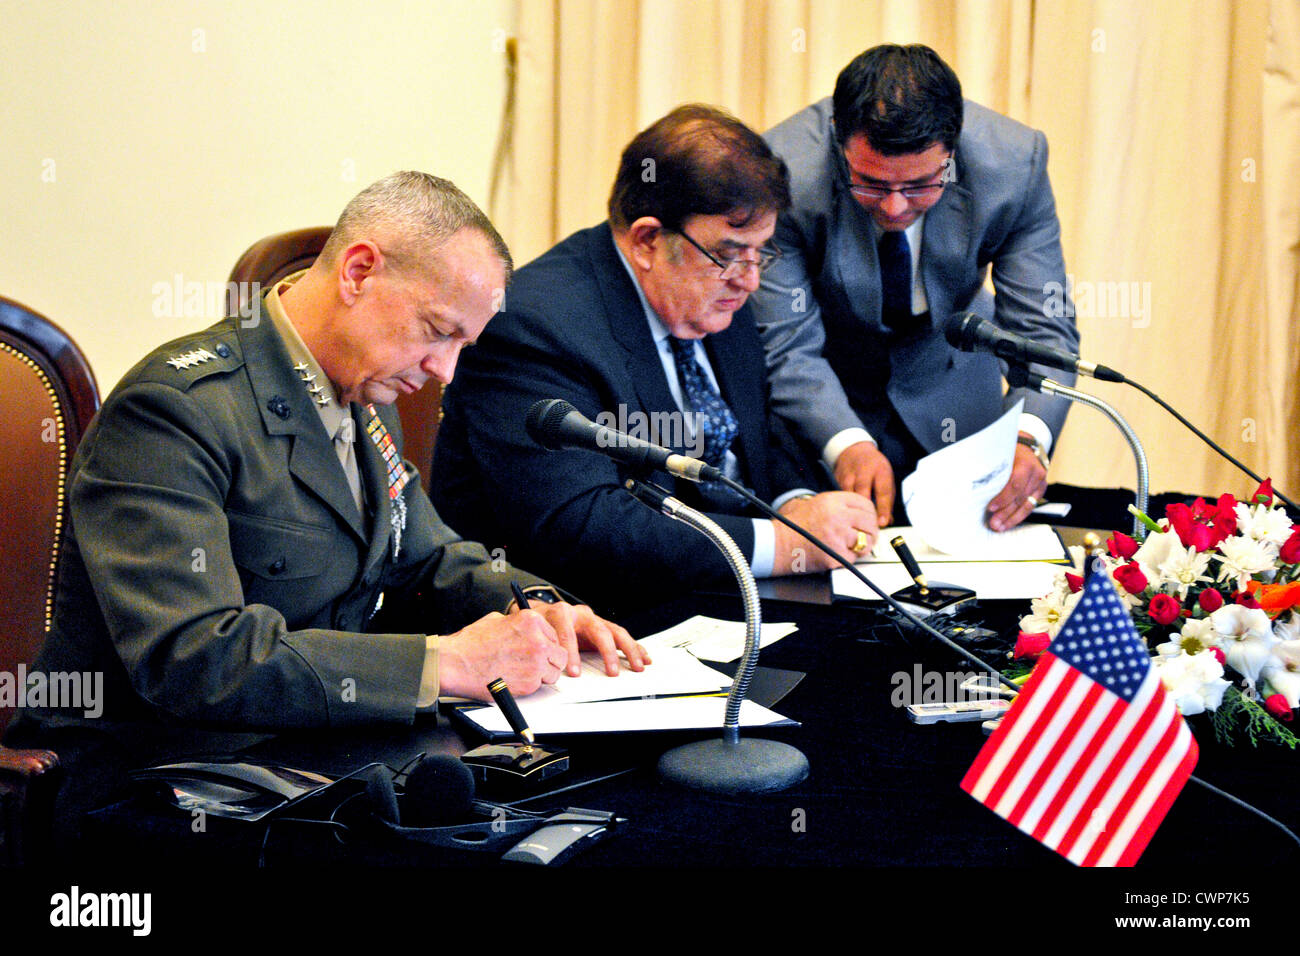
(716, 422)
(345, 447)
(895, 280)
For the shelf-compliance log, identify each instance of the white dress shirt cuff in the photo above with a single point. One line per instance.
(791, 495)
(764, 548)
(842, 440)
(1038, 428)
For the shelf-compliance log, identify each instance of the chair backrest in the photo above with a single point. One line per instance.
(48, 394)
(269, 260)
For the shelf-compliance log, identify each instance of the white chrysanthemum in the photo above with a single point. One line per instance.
(1195, 637)
(1183, 567)
(1194, 681)
(1246, 637)
(1048, 613)
(1262, 523)
(1241, 558)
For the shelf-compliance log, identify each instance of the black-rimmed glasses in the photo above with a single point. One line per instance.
(735, 268)
(877, 193)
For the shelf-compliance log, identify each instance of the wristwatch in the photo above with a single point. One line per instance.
(1034, 445)
(541, 594)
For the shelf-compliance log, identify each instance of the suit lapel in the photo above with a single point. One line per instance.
(852, 263)
(287, 409)
(945, 241)
(740, 380)
(622, 307)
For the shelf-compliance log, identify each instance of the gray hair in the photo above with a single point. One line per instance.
(413, 213)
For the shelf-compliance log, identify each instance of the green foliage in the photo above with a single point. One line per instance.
(1238, 715)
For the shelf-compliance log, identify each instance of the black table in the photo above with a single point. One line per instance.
(882, 790)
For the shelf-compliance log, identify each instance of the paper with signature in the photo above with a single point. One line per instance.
(712, 639)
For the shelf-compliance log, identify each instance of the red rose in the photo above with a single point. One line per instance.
(1203, 526)
(1263, 494)
(1290, 552)
(1121, 546)
(1031, 645)
(1131, 578)
(1074, 581)
(1224, 518)
(1190, 532)
(1276, 705)
(1163, 609)
(1245, 599)
(1210, 600)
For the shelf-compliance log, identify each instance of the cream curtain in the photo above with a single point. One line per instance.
(1175, 152)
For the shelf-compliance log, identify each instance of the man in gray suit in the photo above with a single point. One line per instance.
(904, 195)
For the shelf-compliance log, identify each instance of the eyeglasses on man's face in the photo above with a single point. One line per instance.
(877, 193)
(735, 268)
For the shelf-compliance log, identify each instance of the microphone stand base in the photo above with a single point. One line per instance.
(747, 765)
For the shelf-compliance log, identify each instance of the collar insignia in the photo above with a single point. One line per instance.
(318, 393)
(192, 357)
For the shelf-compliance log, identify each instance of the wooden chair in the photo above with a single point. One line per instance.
(269, 260)
(49, 395)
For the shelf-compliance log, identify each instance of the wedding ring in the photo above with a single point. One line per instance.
(1033, 502)
(860, 545)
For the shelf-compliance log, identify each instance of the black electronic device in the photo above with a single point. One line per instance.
(229, 788)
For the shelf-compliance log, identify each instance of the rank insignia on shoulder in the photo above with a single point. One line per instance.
(192, 357)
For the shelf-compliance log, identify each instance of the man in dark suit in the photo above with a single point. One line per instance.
(641, 323)
(904, 195)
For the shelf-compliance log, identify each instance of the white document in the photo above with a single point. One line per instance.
(679, 713)
(1026, 542)
(712, 639)
(947, 496)
(990, 580)
(674, 671)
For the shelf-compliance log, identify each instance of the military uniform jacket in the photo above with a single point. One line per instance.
(216, 568)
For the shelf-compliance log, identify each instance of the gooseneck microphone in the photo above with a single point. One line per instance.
(973, 333)
(555, 424)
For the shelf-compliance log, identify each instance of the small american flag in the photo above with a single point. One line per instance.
(1093, 752)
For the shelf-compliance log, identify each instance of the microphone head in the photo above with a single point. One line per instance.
(543, 421)
(439, 791)
(962, 331)
(380, 795)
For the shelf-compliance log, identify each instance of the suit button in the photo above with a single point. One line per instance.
(276, 566)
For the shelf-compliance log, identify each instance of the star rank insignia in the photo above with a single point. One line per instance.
(192, 357)
(317, 390)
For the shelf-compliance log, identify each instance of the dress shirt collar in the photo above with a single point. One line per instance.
(657, 328)
(332, 415)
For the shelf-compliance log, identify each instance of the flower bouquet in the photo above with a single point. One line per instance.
(1214, 591)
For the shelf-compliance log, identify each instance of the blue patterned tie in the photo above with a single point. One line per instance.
(716, 422)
